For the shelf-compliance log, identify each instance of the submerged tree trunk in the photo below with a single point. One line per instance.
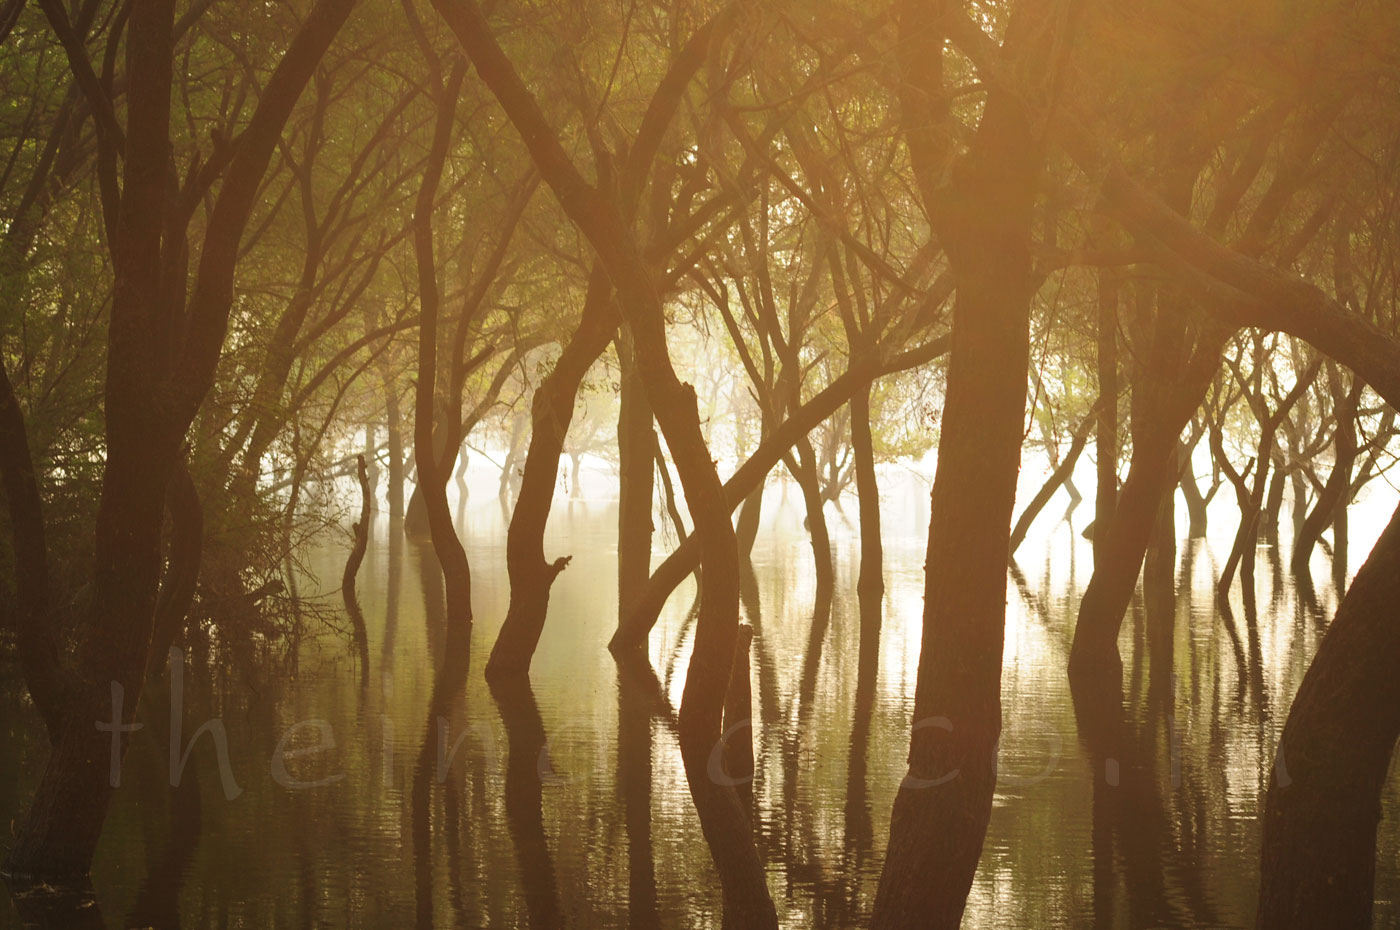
(1174, 391)
(551, 411)
(360, 531)
(871, 581)
(1159, 588)
(983, 221)
(805, 472)
(1323, 806)
(1336, 491)
(428, 442)
(1196, 502)
(738, 722)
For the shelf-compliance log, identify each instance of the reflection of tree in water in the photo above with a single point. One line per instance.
(636, 705)
(527, 767)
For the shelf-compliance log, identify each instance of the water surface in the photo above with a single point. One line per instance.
(566, 804)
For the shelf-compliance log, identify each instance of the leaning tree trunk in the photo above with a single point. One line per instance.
(1094, 653)
(1324, 800)
(551, 411)
(983, 221)
(637, 623)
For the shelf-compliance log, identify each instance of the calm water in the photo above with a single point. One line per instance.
(573, 801)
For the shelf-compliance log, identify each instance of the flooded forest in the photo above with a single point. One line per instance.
(700, 464)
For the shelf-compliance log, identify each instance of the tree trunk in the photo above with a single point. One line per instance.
(1338, 485)
(154, 387)
(983, 221)
(1106, 439)
(1052, 484)
(184, 550)
(1323, 806)
(429, 443)
(1196, 503)
(1273, 503)
(636, 438)
(871, 581)
(1159, 587)
(738, 722)
(1156, 431)
(360, 530)
(808, 481)
(551, 412)
(396, 455)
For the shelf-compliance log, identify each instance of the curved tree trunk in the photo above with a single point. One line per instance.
(804, 470)
(1052, 484)
(1125, 540)
(352, 568)
(551, 411)
(1323, 806)
(429, 442)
